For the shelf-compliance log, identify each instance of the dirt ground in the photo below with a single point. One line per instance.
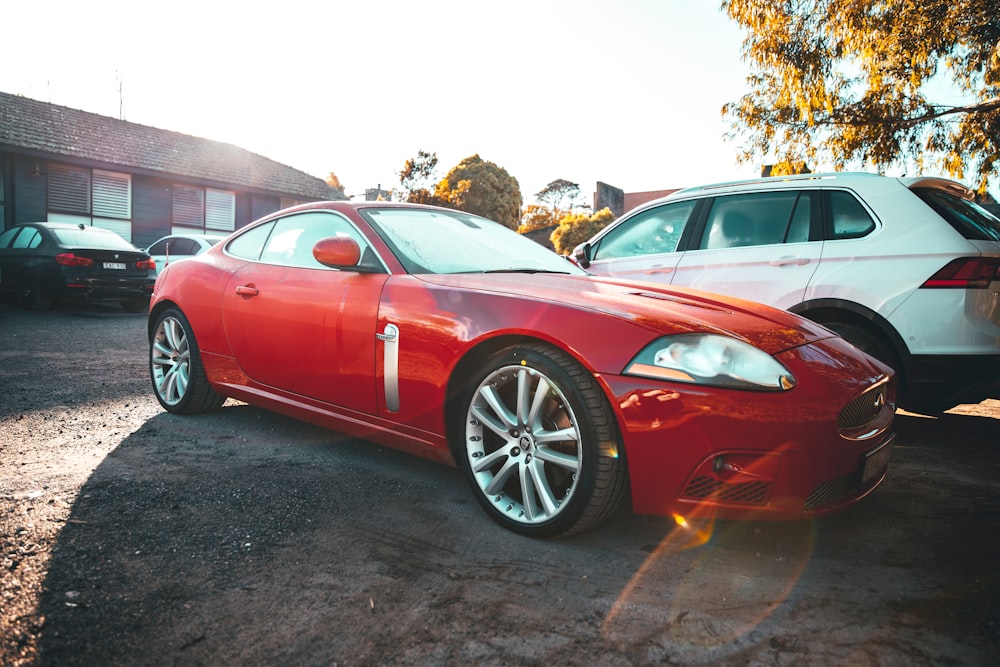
(134, 537)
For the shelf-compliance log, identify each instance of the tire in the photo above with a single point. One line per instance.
(29, 295)
(860, 338)
(540, 445)
(175, 367)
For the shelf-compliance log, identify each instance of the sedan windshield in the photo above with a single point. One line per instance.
(429, 241)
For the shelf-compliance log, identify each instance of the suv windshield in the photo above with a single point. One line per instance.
(968, 218)
(429, 241)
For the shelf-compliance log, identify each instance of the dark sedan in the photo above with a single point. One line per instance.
(43, 262)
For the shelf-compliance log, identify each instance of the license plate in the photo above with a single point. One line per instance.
(876, 460)
(118, 266)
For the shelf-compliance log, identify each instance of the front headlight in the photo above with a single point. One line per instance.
(711, 359)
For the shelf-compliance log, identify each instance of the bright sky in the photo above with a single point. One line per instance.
(626, 92)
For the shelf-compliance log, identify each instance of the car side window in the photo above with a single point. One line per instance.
(28, 238)
(654, 231)
(159, 248)
(763, 218)
(849, 217)
(250, 243)
(292, 240)
(183, 248)
(6, 237)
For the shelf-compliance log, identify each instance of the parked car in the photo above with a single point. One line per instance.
(178, 246)
(907, 269)
(44, 262)
(451, 337)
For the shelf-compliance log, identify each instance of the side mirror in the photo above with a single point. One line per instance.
(339, 252)
(581, 255)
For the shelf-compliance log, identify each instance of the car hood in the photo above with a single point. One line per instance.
(659, 308)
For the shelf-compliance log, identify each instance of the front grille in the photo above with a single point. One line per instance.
(744, 493)
(864, 410)
(830, 492)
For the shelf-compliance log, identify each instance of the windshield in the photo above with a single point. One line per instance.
(968, 218)
(433, 241)
(92, 238)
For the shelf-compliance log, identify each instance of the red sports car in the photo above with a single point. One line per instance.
(558, 393)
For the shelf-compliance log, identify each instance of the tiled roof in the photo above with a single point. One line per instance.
(28, 124)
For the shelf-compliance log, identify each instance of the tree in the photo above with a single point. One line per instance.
(418, 177)
(477, 186)
(847, 82)
(557, 192)
(577, 228)
(335, 183)
(536, 216)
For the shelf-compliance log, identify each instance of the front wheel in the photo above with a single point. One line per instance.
(175, 367)
(539, 444)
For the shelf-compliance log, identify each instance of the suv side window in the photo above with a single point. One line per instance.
(651, 232)
(849, 218)
(764, 218)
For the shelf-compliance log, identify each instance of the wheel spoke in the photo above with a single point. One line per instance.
(502, 419)
(542, 487)
(500, 479)
(566, 461)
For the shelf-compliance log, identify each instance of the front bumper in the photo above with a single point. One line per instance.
(818, 448)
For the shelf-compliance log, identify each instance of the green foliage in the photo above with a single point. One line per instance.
(847, 82)
(481, 187)
(577, 228)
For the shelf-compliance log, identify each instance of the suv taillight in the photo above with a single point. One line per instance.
(69, 259)
(967, 272)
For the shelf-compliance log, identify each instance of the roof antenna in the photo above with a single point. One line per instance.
(121, 100)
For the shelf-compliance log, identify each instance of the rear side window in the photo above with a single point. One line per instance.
(28, 238)
(764, 218)
(968, 218)
(850, 220)
(651, 232)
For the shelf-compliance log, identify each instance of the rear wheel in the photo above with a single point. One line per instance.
(539, 443)
(29, 295)
(175, 367)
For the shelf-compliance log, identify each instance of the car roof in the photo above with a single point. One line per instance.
(846, 179)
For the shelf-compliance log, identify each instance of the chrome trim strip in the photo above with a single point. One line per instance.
(390, 366)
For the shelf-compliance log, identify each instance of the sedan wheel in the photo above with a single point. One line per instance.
(29, 296)
(175, 367)
(541, 448)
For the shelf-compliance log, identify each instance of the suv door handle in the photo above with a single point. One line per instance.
(789, 261)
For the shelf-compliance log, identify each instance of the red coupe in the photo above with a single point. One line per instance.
(559, 394)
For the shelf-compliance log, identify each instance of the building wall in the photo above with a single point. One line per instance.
(150, 210)
(27, 199)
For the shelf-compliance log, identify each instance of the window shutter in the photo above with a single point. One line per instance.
(220, 210)
(188, 206)
(69, 189)
(112, 195)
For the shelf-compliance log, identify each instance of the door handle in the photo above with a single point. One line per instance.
(789, 261)
(246, 290)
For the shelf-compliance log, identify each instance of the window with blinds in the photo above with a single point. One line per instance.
(112, 195)
(188, 206)
(69, 189)
(220, 210)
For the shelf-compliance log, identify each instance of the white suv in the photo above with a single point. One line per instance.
(907, 269)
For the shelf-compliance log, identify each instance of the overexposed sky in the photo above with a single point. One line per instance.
(627, 92)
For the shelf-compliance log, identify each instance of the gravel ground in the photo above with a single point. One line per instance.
(131, 536)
